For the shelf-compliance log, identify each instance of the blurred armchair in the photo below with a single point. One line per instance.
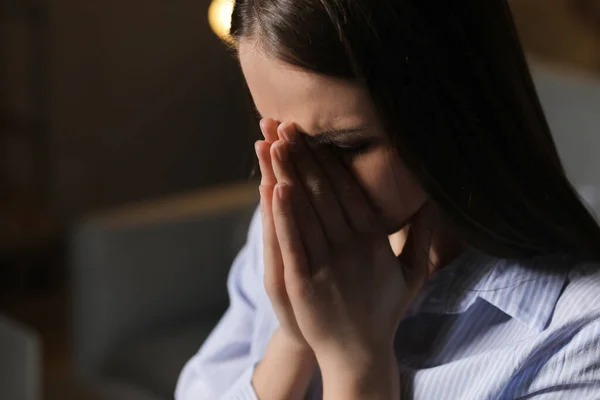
(149, 283)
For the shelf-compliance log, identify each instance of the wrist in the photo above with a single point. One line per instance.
(292, 345)
(372, 375)
(285, 370)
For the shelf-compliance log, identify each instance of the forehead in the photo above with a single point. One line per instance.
(286, 93)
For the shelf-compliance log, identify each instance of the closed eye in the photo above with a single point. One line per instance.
(349, 143)
(346, 149)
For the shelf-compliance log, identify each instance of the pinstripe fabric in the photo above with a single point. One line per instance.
(482, 328)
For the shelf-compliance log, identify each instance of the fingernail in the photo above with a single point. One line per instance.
(281, 153)
(261, 124)
(285, 132)
(281, 191)
(256, 147)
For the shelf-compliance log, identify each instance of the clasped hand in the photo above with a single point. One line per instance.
(330, 272)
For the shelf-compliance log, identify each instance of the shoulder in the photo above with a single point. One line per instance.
(577, 309)
(584, 274)
(568, 354)
(580, 298)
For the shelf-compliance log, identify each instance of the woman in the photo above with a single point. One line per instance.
(417, 236)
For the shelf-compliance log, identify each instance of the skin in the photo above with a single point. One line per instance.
(339, 269)
(314, 103)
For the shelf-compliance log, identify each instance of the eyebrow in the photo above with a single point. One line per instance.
(335, 135)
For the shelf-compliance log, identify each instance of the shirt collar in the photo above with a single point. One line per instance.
(526, 290)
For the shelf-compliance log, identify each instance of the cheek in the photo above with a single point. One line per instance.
(390, 186)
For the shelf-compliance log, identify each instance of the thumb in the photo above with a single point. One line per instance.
(415, 257)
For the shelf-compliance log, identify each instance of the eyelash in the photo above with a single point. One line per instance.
(350, 151)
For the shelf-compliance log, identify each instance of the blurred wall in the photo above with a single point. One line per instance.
(572, 104)
(145, 100)
(561, 31)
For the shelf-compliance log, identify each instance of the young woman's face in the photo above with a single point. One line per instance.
(318, 104)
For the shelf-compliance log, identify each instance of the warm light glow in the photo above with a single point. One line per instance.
(219, 17)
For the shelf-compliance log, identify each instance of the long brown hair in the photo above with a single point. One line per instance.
(454, 91)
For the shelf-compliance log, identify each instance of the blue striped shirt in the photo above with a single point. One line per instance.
(481, 328)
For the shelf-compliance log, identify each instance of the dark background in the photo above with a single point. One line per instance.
(111, 102)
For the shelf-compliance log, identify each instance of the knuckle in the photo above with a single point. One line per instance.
(317, 188)
(323, 276)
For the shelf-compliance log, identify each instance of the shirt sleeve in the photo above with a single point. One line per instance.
(223, 368)
(572, 372)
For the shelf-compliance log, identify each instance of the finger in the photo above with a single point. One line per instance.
(309, 226)
(317, 186)
(416, 253)
(296, 267)
(268, 128)
(274, 279)
(263, 153)
(356, 208)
